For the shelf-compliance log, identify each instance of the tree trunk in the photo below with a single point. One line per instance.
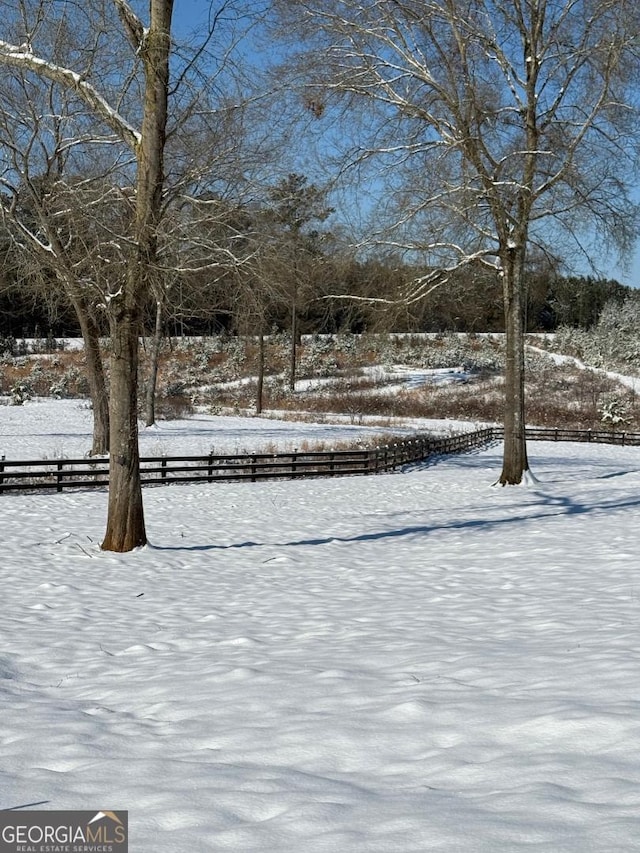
(125, 515)
(94, 372)
(125, 521)
(260, 385)
(515, 462)
(152, 381)
(294, 343)
(97, 387)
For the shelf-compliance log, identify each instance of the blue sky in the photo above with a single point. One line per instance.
(630, 276)
(190, 15)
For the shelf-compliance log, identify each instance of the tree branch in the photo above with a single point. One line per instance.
(132, 24)
(21, 57)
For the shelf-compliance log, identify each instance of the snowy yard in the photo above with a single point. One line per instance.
(50, 429)
(407, 662)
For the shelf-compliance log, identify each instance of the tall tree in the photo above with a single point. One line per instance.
(125, 519)
(128, 99)
(294, 205)
(151, 46)
(41, 199)
(500, 126)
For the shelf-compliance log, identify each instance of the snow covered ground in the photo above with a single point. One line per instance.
(391, 664)
(632, 382)
(50, 429)
(398, 377)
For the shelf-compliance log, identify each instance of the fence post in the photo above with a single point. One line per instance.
(210, 468)
(59, 466)
(253, 469)
(2, 458)
(163, 465)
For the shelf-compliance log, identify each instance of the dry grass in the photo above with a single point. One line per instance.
(557, 396)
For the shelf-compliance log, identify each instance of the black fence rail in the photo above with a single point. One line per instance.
(93, 472)
(589, 436)
(623, 439)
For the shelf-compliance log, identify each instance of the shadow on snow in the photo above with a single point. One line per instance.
(558, 506)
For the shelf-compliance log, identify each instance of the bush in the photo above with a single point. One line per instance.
(20, 393)
(174, 407)
(8, 346)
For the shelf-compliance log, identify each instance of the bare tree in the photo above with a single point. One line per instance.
(160, 296)
(40, 200)
(125, 519)
(129, 100)
(294, 205)
(151, 46)
(222, 145)
(44, 262)
(499, 126)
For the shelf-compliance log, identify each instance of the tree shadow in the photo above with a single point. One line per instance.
(25, 806)
(556, 507)
(616, 474)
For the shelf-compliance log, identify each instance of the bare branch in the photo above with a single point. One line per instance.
(132, 24)
(22, 58)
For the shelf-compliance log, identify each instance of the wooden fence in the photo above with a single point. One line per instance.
(581, 435)
(92, 472)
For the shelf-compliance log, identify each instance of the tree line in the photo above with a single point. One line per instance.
(471, 302)
(338, 162)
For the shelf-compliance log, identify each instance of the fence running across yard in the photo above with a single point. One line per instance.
(93, 472)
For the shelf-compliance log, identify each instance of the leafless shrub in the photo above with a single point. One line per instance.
(174, 407)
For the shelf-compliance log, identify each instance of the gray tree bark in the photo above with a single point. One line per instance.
(125, 515)
(260, 383)
(95, 376)
(515, 462)
(294, 346)
(152, 379)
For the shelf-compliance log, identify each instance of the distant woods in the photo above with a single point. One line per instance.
(470, 302)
